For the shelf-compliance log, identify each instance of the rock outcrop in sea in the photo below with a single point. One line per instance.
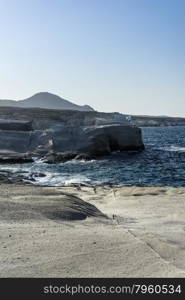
(57, 135)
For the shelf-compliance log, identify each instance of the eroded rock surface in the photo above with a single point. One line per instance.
(25, 133)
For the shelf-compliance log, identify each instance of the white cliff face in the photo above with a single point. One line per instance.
(64, 133)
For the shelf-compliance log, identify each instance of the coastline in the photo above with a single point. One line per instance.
(143, 235)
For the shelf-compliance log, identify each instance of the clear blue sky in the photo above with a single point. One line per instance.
(115, 55)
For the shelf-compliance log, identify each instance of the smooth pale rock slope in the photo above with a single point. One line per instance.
(63, 134)
(145, 238)
(47, 203)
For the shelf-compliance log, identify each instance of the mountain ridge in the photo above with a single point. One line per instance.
(45, 100)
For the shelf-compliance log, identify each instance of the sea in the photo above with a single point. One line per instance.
(162, 163)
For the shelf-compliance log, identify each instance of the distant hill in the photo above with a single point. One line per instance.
(46, 100)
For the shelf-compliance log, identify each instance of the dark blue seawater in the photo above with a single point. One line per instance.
(161, 164)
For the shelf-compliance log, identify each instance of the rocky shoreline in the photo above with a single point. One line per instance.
(20, 178)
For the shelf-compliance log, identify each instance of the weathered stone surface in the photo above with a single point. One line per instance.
(14, 141)
(91, 141)
(15, 125)
(43, 119)
(50, 205)
(59, 136)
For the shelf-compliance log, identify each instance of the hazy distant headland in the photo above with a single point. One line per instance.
(50, 101)
(46, 100)
(155, 121)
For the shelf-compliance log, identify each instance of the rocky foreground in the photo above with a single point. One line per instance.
(92, 232)
(57, 135)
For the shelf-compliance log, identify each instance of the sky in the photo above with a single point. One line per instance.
(115, 55)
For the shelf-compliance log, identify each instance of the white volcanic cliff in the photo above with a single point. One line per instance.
(63, 134)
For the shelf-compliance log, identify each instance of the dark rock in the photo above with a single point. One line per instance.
(10, 178)
(84, 156)
(15, 160)
(57, 157)
(33, 176)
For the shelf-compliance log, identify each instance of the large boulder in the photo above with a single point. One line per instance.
(93, 141)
